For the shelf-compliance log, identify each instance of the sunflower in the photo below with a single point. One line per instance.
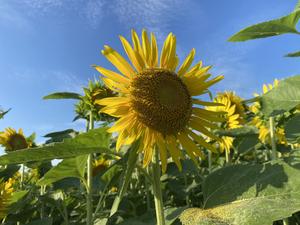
(234, 117)
(261, 124)
(156, 102)
(100, 165)
(5, 195)
(12, 140)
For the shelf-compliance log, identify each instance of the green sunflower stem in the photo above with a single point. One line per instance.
(209, 162)
(273, 138)
(285, 221)
(159, 206)
(89, 194)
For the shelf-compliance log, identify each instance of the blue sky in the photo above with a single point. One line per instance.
(50, 45)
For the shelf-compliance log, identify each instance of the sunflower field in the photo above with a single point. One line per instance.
(160, 147)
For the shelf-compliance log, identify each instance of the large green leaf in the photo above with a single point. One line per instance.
(239, 132)
(282, 98)
(248, 195)
(283, 25)
(44, 221)
(293, 54)
(8, 171)
(131, 164)
(247, 144)
(60, 135)
(73, 167)
(292, 129)
(63, 95)
(94, 141)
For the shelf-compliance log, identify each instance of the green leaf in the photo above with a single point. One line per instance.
(248, 195)
(297, 6)
(63, 95)
(2, 113)
(293, 54)
(238, 132)
(247, 144)
(283, 25)
(282, 98)
(59, 136)
(131, 164)
(96, 140)
(17, 195)
(44, 221)
(292, 129)
(8, 172)
(74, 167)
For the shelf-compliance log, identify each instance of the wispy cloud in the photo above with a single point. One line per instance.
(152, 14)
(10, 17)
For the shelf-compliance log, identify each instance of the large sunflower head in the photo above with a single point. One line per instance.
(6, 190)
(157, 100)
(232, 105)
(12, 140)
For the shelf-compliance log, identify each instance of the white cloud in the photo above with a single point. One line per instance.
(152, 14)
(12, 18)
(94, 12)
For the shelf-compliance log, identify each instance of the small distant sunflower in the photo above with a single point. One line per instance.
(12, 140)
(261, 124)
(234, 117)
(100, 165)
(6, 190)
(156, 101)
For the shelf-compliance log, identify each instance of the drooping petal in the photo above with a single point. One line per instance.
(174, 151)
(113, 75)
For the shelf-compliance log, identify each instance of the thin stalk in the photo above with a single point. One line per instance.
(209, 162)
(227, 157)
(272, 137)
(187, 199)
(42, 192)
(101, 199)
(22, 175)
(89, 189)
(285, 221)
(147, 186)
(159, 207)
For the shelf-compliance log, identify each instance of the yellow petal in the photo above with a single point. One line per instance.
(190, 147)
(137, 45)
(112, 75)
(199, 102)
(165, 51)
(162, 153)
(186, 63)
(154, 51)
(201, 141)
(134, 57)
(204, 122)
(112, 101)
(203, 130)
(146, 47)
(114, 86)
(116, 110)
(118, 61)
(174, 151)
(121, 124)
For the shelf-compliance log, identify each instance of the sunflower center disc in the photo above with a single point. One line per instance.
(17, 142)
(161, 100)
